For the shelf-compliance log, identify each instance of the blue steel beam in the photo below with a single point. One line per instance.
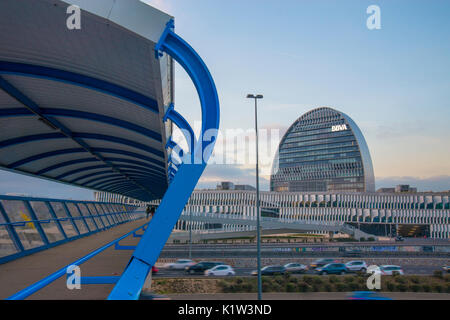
(122, 166)
(79, 135)
(18, 112)
(80, 80)
(81, 150)
(147, 252)
(181, 124)
(111, 159)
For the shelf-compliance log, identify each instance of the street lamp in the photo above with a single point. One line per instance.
(258, 213)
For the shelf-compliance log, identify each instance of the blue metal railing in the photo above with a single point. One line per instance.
(29, 225)
(25, 293)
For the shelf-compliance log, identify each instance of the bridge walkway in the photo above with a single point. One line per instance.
(21, 273)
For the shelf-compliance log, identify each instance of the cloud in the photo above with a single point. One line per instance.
(436, 183)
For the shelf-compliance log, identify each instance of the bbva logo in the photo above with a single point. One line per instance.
(340, 127)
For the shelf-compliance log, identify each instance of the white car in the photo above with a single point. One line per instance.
(180, 264)
(355, 266)
(389, 270)
(220, 270)
(296, 268)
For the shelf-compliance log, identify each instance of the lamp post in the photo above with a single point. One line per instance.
(258, 213)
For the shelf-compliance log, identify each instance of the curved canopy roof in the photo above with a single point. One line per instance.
(83, 107)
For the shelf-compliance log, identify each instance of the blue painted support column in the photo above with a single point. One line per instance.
(187, 176)
(184, 126)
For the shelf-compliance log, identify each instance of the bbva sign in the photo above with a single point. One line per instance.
(340, 127)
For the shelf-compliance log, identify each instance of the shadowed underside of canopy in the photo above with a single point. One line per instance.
(85, 107)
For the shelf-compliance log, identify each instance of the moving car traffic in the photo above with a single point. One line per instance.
(295, 268)
(202, 266)
(355, 266)
(390, 270)
(322, 262)
(220, 270)
(180, 264)
(270, 271)
(332, 268)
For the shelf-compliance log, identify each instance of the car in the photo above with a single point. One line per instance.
(154, 270)
(220, 270)
(202, 266)
(180, 264)
(295, 268)
(399, 238)
(270, 271)
(446, 269)
(321, 263)
(332, 268)
(354, 266)
(367, 295)
(390, 270)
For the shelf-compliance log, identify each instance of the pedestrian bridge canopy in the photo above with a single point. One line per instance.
(85, 106)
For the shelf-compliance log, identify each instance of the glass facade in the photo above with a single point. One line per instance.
(323, 151)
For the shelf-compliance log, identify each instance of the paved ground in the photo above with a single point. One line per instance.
(307, 296)
(18, 274)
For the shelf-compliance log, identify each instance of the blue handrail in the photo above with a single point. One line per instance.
(23, 294)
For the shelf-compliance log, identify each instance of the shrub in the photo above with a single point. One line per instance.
(308, 279)
(438, 288)
(328, 287)
(438, 274)
(317, 281)
(334, 279)
(290, 287)
(349, 279)
(316, 287)
(303, 287)
(341, 287)
(239, 280)
(400, 279)
(402, 287)
(354, 286)
(415, 288)
(391, 286)
(447, 288)
(362, 239)
(426, 288)
(415, 279)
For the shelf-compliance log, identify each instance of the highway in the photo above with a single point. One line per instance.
(409, 269)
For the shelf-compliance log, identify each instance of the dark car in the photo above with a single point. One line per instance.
(271, 271)
(321, 263)
(332, 268)
(202, 266)
(399, 238)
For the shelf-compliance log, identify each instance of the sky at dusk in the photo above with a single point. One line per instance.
(393, 82)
